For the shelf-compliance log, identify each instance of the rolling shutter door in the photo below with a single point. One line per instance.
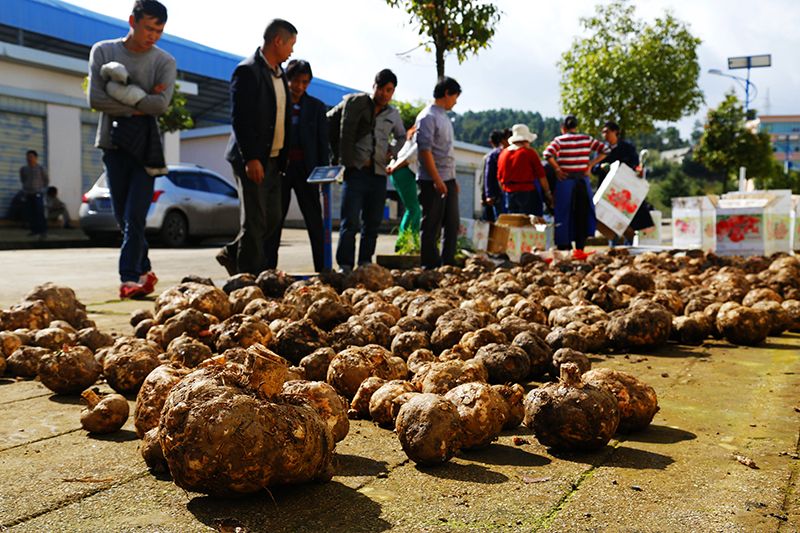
(91, 157)
(22, 128)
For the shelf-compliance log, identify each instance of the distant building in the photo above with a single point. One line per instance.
(784, 130)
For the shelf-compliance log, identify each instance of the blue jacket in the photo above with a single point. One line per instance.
(313, 131)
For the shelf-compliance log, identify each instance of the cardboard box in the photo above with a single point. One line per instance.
(619, 197)
(754, 223)
(650, 236)
(693, 222)
(518, 234)
(477, 231)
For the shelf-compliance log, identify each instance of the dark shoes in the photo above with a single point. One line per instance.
(225, 261)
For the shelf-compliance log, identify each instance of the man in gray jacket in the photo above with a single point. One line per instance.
(131, 81)
(367, 132)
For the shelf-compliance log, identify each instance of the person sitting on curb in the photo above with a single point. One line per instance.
(56, 208)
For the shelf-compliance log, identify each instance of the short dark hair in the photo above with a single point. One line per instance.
(496, 137)
(298, 67)
(570, 122)
(52, 191)
(385, 76)
(29, 152)
(151, 8)
(611, 126)
(278, 27)
(445, 86)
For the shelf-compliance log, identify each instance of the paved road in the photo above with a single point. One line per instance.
(678, 476)
(92, 272)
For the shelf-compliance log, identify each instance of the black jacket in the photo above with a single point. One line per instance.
(313, 130)
(253, 110)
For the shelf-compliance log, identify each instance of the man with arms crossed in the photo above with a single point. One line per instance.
(258, 149)
(131, 82)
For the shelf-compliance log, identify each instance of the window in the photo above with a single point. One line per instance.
(188, 180)
(217, 186)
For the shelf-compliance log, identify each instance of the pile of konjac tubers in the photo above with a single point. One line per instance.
(443, 357)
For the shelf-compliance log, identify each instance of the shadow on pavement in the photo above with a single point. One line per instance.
(660, 435)
(473, 473)
(295, 508)
(354, 465)
(634, 459)
(122, 435)
(501, 454)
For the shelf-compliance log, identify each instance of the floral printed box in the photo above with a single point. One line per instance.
(650, 236)
(619, 197)
(693, 220)
(756, 223)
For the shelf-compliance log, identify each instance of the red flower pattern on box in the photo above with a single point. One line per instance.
(686, 227)
(778, 231)
(736, 227)
(622, 201)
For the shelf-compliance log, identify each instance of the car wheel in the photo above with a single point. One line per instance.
(174, 231)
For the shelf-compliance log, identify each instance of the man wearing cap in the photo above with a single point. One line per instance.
(569, 155)
(521, 174)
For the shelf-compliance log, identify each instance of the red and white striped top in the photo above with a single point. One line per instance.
(573, 150)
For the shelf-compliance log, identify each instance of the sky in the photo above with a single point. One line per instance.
(348, 41)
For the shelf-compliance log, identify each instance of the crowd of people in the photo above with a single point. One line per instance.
(515, 180)
(280, 133)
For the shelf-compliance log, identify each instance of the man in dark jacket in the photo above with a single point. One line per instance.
(258, 149)
(622, 151)
(308, 149)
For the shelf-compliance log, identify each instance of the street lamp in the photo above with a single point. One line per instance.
(747, 62)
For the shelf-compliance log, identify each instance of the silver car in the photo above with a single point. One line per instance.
(190, 204)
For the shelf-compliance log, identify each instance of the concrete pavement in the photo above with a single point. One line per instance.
(679, 475)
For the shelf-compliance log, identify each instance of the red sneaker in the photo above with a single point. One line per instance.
(131, 290)
(148, 282)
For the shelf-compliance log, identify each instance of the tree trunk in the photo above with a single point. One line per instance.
(439, 61)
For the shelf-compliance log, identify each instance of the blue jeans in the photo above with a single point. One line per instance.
(525, 202)
(363, 201)
(131, 194)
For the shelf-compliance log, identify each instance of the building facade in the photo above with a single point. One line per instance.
(784, 130)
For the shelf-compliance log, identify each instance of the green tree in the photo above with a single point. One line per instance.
(629, 71)
(728, 144)
(409, 111)
(177, 116)
(460, 26)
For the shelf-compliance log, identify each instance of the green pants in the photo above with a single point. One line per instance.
(405, 182)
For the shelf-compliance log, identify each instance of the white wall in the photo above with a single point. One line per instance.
(39, 79)
(64, 154)
(172, 147)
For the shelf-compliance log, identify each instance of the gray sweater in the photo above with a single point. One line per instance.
(146, 69)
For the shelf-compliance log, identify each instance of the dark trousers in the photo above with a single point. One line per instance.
(34, 213)
(363, 201)
(308, 200)
(131, 195)
(579, 208)
(440, 216)
(525, 202)
(259, 215)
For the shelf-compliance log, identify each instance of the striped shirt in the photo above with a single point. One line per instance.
(573, 150)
